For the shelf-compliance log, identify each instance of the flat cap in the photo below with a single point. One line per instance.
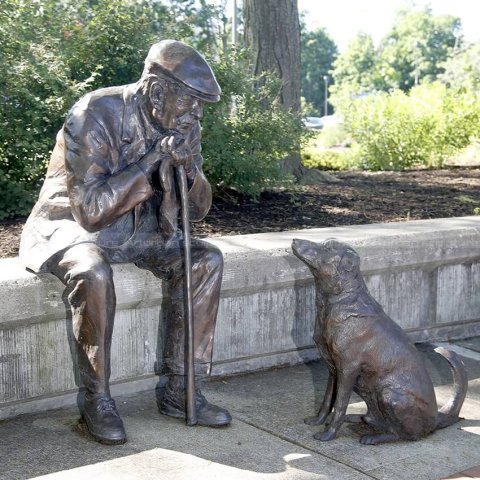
(185, 65)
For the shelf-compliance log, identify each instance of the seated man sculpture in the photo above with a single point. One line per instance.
(110, 197)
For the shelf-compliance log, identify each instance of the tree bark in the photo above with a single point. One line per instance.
(272, 34)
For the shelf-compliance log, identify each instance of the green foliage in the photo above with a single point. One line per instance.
(356, 68)
(324, 159)
(318, 153)
(108, 41)
(247, 134)
(55, 51)
(52, 53)
(468, 156)
(318, 53)
(205, 23)
(333, 136)
(462, 69)
(36, 90)
(416, 47)
(397, 131)
(413, 52)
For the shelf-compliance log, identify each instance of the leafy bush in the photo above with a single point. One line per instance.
(463, 68)
(324, 159)
(247, 134)
(396, 131)
(53, 52)
(35, 91)
(111, 38)
(469, 156)
(334, 135)
(317, 152)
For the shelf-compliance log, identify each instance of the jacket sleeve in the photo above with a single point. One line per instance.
(98, 192)
(200, 193)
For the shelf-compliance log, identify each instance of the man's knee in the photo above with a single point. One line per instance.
(99, 274)
(210, 259)
(87, 263)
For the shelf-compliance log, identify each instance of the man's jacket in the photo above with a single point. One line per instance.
(94, 190)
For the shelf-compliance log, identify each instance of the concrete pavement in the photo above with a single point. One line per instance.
(266, 441)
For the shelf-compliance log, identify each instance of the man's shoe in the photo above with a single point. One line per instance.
(208, 415)
(103, 420)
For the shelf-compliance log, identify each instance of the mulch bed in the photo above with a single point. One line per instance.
(358, 198)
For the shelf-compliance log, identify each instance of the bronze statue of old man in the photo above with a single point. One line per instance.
(110, 197)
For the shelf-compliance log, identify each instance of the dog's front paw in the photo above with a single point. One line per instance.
(325, 436)
(316, 420)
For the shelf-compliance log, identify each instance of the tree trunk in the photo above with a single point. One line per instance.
(272, 33)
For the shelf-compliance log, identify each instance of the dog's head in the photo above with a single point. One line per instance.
(332, 263)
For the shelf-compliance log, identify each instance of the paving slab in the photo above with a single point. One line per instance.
(466, 474)
(54, 446)
(268, 439)
(471, 344)
(277, 401)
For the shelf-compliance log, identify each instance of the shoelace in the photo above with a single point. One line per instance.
(108, 406)
(199, 398)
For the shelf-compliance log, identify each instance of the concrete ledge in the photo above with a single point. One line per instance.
(425, 273)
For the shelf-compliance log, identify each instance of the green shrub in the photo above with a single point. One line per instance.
(109, 39)
(334, 135)
(247, 134)
(324, 159)
(469, 156)
(53, 52)
(317, 152)
(36, 90)
(396, 131)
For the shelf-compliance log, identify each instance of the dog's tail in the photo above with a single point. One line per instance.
(449, 413)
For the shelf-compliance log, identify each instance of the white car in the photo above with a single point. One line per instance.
(313, 122)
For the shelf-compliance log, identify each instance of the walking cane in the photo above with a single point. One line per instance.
(188, 298)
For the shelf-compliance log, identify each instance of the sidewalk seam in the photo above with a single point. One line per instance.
(289, 440)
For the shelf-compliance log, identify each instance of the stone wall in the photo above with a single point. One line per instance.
(426, 274)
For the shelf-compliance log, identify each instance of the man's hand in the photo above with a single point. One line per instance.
(150, 162)
(176, 146)
(171, 151)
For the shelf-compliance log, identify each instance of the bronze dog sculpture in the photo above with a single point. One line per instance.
(368, 353)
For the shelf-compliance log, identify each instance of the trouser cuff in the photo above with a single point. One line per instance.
(172, 367)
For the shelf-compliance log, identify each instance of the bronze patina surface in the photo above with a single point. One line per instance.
(368, 353)
(110, 196)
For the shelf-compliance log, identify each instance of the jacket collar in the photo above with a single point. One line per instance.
(135, 122)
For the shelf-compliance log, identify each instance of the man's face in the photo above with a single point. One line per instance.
(181, 111)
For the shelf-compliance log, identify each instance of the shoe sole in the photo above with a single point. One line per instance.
(175, 413)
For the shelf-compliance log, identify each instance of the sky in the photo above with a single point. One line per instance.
(343, 19)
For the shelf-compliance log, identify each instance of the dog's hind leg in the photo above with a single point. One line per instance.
(327, 403)
(373, 418)
(376, 438)
(354, 418)
(404, 417)
(367, 419)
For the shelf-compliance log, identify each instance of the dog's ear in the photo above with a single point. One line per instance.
(350, 260)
